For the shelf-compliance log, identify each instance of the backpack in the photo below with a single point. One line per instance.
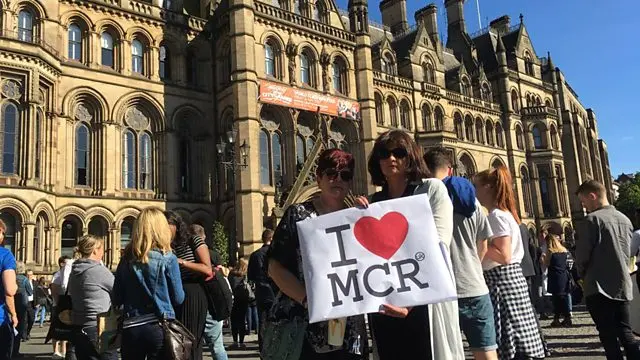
(243, 292)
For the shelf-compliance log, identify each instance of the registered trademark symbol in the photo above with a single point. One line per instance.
(420, 256)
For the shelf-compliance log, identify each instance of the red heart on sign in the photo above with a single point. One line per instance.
(382, 237)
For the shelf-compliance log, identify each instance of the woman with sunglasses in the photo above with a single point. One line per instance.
(397, 165)
(333, 174)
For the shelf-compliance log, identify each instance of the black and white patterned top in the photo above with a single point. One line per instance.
(187, 252)
(285, 249)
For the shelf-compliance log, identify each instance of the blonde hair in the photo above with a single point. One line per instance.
(151, 231)
(241, 268)
(87, 245)
(554, 244)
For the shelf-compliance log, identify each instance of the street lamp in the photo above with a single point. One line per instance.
(230, 162)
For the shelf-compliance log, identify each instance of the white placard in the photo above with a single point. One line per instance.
(355, 260)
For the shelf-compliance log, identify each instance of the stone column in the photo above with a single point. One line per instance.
(27, 242)
(124, 52)
(94, 55)
(53, 247)
(555, 192)
(154, 63)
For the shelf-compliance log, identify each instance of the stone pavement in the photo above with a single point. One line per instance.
(578, 342)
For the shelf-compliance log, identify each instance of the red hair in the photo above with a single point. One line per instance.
(334, 159)
(501, 182)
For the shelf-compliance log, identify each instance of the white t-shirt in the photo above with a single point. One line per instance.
(503, 224)
(61, 277)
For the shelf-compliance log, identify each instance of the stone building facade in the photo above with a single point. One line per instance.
(110, 106)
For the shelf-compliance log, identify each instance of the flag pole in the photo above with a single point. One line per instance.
(479, 18)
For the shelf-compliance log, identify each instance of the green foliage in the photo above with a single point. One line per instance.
(629, 197)
(221, 241)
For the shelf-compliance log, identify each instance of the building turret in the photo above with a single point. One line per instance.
(429, 17)
(359, 16)
(455, 15)
(394, 15)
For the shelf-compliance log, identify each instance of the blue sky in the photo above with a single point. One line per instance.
(593, 44)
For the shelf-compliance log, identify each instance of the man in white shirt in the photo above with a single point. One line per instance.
(59, 287)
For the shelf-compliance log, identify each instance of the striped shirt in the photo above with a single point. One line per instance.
(187, 252)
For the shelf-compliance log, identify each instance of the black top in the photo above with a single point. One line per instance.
(527, 260)
(406, 338)
(187, 252)
(558, 274)
(257, 273)
(285, 249)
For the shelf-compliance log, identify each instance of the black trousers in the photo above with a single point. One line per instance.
(6, 341)
(84, 340)
(561, 306)
(142, 341)
(612, 321)
(31, 317)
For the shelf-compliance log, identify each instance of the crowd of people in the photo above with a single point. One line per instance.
(503, 278)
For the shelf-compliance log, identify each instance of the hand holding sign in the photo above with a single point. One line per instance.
(389, 253)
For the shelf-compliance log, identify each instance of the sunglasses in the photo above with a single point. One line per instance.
(398, 153)
(345, 175)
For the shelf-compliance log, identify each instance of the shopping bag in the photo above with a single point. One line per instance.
(109, 330)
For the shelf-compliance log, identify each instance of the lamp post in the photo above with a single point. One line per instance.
(231, 162)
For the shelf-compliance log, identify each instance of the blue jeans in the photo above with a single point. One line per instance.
(213, 338)
(253, 323)
(42, 310)
(142, 341)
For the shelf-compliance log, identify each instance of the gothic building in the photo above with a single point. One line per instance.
(218, 109)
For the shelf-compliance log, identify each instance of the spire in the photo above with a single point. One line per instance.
(550, 62)
(521, 19)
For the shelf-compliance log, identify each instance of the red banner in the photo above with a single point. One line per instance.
(282, 95)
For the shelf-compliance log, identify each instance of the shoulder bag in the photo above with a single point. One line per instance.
(178, 341)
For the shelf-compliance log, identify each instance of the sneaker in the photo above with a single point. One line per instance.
(567, 322)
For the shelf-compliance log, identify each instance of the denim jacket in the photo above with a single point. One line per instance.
(136, 284)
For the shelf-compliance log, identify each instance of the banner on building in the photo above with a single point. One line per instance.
(356, 260)
(282, 95)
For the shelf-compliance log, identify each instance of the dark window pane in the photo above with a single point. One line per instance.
(265, 178)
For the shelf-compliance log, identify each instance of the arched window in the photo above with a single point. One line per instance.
(10, 138)
(548, 103)
(82, 155)
(75, 42)
(185, 163)
(145, 157)
(465, 167)
(405, 115)
(306, 69)
(519, 139)
(526, 192)
(164, 69)
(489, 131)
(560, 185)
(537, 137)
(458, 126)
(528, 64)
(38, 235)
(25, 26)
(427, 121)
(10, 233)
(71, 231)
(515, 101)
(340, 76)
(319, 11)
(485, 92)
(545, 193)
(38, 137)
(468, 128)
(479, 130)
(439, 118)
(98, 226)
(269, 60)
(300, 152)
(129, 160)
(529, 101)
(429, 74)
(265, 163)
(126, 230)
(554, 138)
(276, 148)
(107, 55)
(379, 109)
(192, 67)
(499, 136)
(388, 64)
(393, 111)
(137, 57)
(466, 87)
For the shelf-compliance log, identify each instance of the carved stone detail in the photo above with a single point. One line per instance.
(325, 62)
(136, 119)
(11, 89)
(269, 125)
(83, 114)
(305, 130)
(336, 136)
(292, 53)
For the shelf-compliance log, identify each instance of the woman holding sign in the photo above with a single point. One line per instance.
(517, 333)
(287, 334)
(397, 165)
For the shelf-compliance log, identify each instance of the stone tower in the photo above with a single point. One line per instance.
(394, 15)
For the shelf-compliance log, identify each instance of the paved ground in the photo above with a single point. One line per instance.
(579, 342)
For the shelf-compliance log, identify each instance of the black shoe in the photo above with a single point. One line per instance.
(567, 322)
